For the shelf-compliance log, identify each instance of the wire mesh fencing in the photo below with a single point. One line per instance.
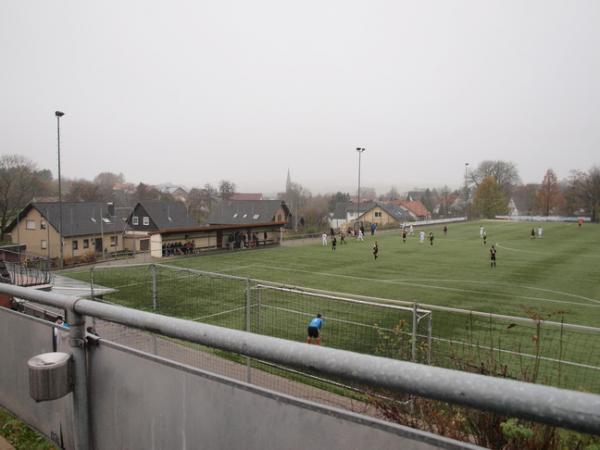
(534, 348)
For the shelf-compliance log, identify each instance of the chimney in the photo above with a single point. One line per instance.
(111, 209)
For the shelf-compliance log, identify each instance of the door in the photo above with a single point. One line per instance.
(144, 245)
(98, 245)
(219, 239)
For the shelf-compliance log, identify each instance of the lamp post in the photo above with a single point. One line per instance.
(58, 115)
(360, 152)
(466, 191)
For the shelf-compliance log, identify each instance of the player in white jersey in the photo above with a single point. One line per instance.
(421, 237)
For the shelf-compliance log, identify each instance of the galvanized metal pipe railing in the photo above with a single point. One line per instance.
(559, 407)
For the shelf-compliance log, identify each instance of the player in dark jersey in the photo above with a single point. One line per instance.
(492, 257)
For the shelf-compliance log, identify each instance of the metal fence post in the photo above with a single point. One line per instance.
(154, 293)
(258, 306)
(81, 422)
(429, 336)
(248, 327)
(414, 332)
(92, 281)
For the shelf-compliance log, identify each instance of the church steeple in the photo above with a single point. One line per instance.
(288, 183)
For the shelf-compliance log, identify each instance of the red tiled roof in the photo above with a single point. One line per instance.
(246, 196)
(416, 207)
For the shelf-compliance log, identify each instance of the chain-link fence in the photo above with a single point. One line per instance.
(537, 349)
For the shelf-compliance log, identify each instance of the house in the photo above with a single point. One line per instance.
(385, 214)
(88, 228)
(416, 207)
(346, 214)
(165, 229)
(246, 196)
(177, 192)
(153, 218)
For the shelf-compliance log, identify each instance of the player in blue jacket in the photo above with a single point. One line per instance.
(314, 330)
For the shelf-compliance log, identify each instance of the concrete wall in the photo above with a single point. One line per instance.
(23, 337)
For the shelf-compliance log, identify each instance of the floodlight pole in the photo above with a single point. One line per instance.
(360, 152)
(58, 115)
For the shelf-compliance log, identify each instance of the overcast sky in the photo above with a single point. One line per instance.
(198, 91)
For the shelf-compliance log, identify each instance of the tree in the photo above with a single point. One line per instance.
(392, 194)
(226, 189)
(445, 201)
(338, 197)
(489, 199)
(106, 182)
(548, 195)
(83, 191)
(19, 183)
(524, 197)
(201, 201)
(585, 188)
(504, 172)
(144, 192)
(428, 200)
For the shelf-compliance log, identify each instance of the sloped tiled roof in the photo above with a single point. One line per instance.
(79, 218)
(343, 208)
(398, 212)
(246, 211)
(168, 214)
(414, 206)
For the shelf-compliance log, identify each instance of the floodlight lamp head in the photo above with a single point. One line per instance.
(59, 113)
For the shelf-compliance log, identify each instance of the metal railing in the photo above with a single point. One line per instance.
(30, 273)
(553, 406)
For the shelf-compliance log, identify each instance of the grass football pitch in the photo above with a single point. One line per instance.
(555, 277)
(560, 272)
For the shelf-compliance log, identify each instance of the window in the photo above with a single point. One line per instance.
(114, 241)
(86, 243)
(75, 245)
(135, 220)
(44, 244)
(146, 221)
(377, 213)
(278, 217)
(43, 225)
(30, 225)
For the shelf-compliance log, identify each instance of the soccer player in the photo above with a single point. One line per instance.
(421, 237)
(481, 229)
(404, 236)
(533, 233)
(431, 237)
(314, 329)
(333, 243)
(411, 230)
(493, 257)
(375, 250)
(324, 239)
(540, 232)
(445, 230)
(360, 236)
(342, 238)
(484, 237)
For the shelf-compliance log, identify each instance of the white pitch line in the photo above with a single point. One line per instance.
(427, 286)
(533, 252)
(495, 283)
